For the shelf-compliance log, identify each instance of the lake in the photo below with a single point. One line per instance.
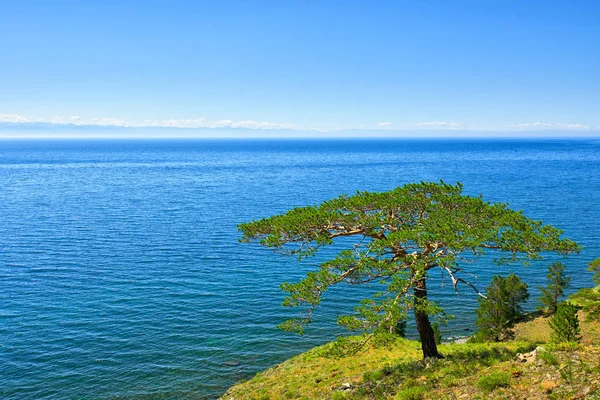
(122, 275)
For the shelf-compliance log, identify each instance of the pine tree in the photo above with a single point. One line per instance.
(565, 324)
(500, 308)
(558, 281)
(398, 239)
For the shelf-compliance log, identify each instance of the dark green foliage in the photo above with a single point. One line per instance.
(594, 267)
(436, 332)
(399, 238)
(400, 328)
(501, 307)
(565, 324)
(488, 383)
(558, 281)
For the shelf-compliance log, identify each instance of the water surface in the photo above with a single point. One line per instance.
(122, 276)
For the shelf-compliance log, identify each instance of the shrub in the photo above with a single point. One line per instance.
(558, 281)
(565, 324)
(500, 308)
(488, 383)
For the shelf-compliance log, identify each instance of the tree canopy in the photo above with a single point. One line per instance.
(400, 235)
(500, 307)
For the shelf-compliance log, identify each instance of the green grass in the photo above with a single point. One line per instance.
(548, 358)
(412, 393)
(391, 369)
(491, 382)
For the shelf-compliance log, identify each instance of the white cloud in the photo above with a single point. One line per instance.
(440, 125)
(545, 125)
(170, 123)
(14, 119)
(265, 125)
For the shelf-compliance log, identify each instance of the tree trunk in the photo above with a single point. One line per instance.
(426, 334)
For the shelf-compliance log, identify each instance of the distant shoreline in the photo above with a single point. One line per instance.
(300, 138)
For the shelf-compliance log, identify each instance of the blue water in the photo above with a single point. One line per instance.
(121, 275)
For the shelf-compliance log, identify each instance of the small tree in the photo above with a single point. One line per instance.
(558, 281)
(396, 239)
(594, 267)
(501, 306)
(565, 324)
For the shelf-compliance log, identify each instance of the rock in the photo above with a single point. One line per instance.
(346, 386)
(530, 357)
(548, 386)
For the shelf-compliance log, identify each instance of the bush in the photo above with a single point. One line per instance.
(488, 383)
(565, 324)
(500, 308)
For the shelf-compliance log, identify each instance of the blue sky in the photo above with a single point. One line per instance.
(458, 65)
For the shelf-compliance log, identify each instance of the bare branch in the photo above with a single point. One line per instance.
(455, 281)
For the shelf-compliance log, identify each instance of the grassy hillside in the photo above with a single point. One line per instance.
(393, 369)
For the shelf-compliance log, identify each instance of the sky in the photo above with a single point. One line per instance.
(302, 66)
